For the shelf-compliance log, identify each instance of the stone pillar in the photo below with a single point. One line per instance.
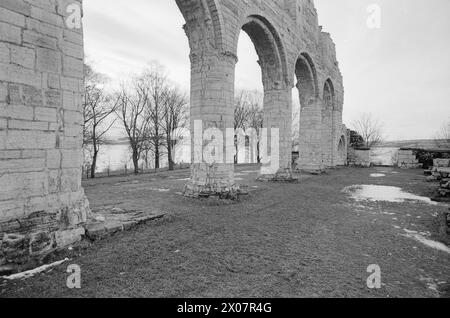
(337, 158)
(310, 148)
(277, 115)
(327, 136)
(212, 103)
(42, 203)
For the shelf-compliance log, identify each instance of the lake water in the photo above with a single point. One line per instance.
(384, 156)
(117, 156)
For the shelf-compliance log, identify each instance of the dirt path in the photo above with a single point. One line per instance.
(294, 240)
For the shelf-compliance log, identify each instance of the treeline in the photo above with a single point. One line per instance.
(151, 110)
(153, 114)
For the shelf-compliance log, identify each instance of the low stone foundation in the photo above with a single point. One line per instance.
(28, 240)
(359, 158)
(408, 160)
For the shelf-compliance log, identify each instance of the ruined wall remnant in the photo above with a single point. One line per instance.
(359, 158)
(42, 203)
(407, 159)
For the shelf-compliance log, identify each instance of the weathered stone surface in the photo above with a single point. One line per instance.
(69, 237)
(48, 61)
(42, 204)
(10, 33)
(22, 56)
(406, 159)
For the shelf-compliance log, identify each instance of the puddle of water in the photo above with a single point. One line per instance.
(383, 193)
(420, 237)
(185, 179)
(377, 175)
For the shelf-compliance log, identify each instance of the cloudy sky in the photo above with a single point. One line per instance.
(399, 72)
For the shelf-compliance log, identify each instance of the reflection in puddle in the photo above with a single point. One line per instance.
(377, 175)
(383, 193)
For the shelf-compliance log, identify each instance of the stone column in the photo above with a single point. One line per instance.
(327, 136)
(42, 202)
(212, 106)
(278, 116)
(311, 136)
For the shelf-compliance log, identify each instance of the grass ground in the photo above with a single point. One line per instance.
(283, 240)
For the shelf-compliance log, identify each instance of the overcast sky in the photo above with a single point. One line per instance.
(399, 72)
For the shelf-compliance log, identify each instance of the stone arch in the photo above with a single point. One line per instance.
(199, 12)
(342, 144)
(307, 82)
(269, 48)
(341, 151)
(277, 91)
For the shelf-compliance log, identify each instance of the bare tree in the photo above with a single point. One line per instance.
(240, 118)
(98, 105)
(174, 121)
(155, 80)
(255, 121)
(442, 138)
(370, 129)
(132, 106)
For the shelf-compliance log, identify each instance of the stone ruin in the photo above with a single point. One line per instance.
(42, 203)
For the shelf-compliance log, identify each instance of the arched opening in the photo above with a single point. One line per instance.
(249, 95)
(328, 95)
(306, 76)
(341, 156)
(342, 144)
(309, 143)
(276, 103)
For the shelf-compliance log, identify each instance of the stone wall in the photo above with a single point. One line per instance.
(359, 158)
(407, 159)
(42, 203)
